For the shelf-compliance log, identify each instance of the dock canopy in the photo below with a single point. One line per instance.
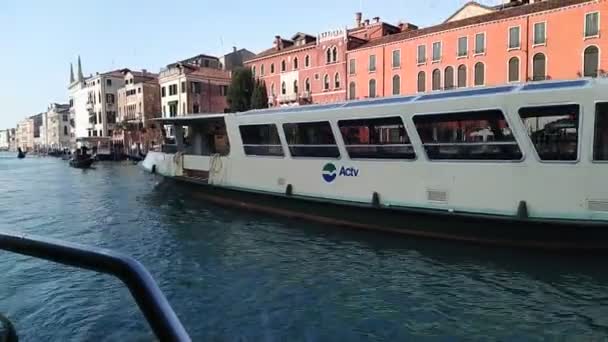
(189, 119)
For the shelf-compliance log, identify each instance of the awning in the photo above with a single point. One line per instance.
(192, 118)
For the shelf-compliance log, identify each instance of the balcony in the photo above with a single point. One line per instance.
(288, 98)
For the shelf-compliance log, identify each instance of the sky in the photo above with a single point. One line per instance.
(40, 38)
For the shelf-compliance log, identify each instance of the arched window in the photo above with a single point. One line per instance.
(436, 84)
(480, 77)
(328, 56)
(539, 67)
(448, 78)
(307, 61)
(334, 54)
(352, 88)
(283, 65)
(272, 68)
(326, 82)
(262, 70)
(283, 88)
(421, 82)
(462, 76)
(337, 81)
(514, 69)
(295, 63)
(65, 130)
(272, 89)
(372, 88)
(307, 85)
(396, 85)
(591, 61)
(253, 71)
(295, 86)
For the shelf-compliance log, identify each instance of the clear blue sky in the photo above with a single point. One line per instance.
(39, 38)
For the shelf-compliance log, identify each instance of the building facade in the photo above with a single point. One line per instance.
(78, 98)
(195, 85)
(515, 42)
(138, 104)
(101, 105)
(235, 59)
(4, 140)
(24, 134)
(12, 145)
(58, 130)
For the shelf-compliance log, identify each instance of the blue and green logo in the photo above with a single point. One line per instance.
(329, 172)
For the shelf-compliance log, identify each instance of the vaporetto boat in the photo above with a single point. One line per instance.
(518, 165)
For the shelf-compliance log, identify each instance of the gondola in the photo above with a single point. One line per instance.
(81, 160)
(20, 153)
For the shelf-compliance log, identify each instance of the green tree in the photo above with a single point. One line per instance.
(259, 98)
(240, 90)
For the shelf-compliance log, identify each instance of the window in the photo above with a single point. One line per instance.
(196, 108)
(94, 133)
(295, 63)
(421, 82)
(196, 87)
(283, 88)
(307, 85)
(600, 138)
(139, 90)
(539, 66)
(261, 140)
(448, 78)
(64, 117)
(110, 132)
(478, 135)
(372, 63)
(172, 89)
(328, 56)
(462, 76)
(384, 138)
(372, 88)
(480, 74)
(326, 82)
(436, 51)
(421, 54)
(463, 46)
(311, 139)
(110, 98)
(514, 38)
(295, 86)
(540, 34)
(514, 69)
(334, 54)
(337, 81)
(591, 61)
(183, 86)
(396, 85)
(592, 24)
(436, 81)
(553, 131)
(480, 43)
(272, 90)
(307, 61)
(351, 66)
(172, 108)
(253, 71)
(65, 130)
(109, 82)
(396, 58)
(272, 68)
(223, 90)
(352, 88)
(111, 117)
(283, 66)
(262, 70)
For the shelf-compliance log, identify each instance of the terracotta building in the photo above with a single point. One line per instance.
(514, 42)
(138, 102)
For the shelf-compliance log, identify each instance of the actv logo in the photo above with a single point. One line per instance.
(330, 172)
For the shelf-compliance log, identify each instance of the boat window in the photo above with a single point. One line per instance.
(381, 138)
(261, 140)
(311, 139)
(553, 131)
(600, 141)
(478, 135)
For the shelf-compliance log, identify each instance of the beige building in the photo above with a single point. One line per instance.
(196, 85)
(24, 135)
(58, 131)
(138, 104)
(101, 103)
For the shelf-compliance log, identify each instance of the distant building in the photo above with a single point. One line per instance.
(57, 127)
(235, 59)
(194, 85)
(12, 146)
(4, 140)
(138, 104)
(102, 109)
(24, 135)
(78, 97)
(39, 136)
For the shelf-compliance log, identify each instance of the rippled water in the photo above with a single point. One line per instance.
(234, 276)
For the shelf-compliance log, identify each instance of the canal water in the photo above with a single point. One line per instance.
(238, 276)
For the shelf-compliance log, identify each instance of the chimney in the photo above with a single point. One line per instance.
(366, 22)
(358, 17)
(234, 49)
(406, 26)
(277, 43)
(376, 19)
(144, 71)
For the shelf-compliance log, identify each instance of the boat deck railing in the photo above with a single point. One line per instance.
(150, 299)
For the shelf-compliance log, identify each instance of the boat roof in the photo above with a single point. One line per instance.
(423, 97)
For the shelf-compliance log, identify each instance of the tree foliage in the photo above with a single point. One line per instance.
(259, 98)
(240, 90)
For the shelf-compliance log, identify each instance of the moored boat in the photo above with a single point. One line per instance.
(20, 153)
(517, 165)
